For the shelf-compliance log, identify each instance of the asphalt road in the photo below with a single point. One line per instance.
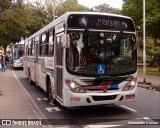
(147, 106)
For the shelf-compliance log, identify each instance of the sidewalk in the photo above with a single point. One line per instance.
(153, 81)
(15, 103)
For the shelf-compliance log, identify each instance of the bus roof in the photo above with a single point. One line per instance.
(65, 16)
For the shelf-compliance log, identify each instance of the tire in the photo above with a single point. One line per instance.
(29, 79)
(50, 93)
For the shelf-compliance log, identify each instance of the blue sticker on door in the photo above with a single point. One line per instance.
(52, 73)
(101, 69)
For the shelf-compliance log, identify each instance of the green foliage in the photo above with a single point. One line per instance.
(70, 5)
(105, 8)
(19, 19)
(134, 9)
(153, 18)
(152, 52)
(150, 70)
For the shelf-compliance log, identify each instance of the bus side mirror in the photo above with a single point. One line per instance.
(66, 41)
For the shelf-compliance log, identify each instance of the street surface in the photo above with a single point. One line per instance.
(147, 106)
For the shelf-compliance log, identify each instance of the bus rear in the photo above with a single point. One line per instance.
(100, 60)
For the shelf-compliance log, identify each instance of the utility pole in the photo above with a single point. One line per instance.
(54, 9)
(144, 42)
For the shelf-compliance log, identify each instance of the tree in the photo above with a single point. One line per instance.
(105, 8)
(157, 56)
(20, 20)
(70, 5)
(15, 22)
(134, 9)
(153, 19)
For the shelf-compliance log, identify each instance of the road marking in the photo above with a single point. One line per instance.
(133, 110)
(62, 127)
(51, 104)
(146, 118)
(45, 98)
(53, 109)
(42, 99)
(39, 99)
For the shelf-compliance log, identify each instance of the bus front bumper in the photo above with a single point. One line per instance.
(17, 65)
(87, 99)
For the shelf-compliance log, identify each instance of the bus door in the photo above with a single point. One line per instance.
(59, 65)
(36, 58)
(59, 32)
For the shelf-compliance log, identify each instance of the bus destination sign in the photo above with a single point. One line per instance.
(100, 22)
(111, 24)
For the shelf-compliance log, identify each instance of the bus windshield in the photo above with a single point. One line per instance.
(101, 53)
(18, 51)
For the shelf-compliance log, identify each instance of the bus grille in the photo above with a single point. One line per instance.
(100, 98)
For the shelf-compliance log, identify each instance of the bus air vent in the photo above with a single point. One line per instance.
(100, 98)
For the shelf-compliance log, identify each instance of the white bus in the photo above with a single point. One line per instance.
(17, 55)
(84, 58)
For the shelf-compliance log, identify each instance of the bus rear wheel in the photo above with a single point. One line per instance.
(29, 78)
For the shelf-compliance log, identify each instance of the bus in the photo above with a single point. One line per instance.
(84, 59)
(17, 55)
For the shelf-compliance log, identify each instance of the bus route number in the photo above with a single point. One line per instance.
(75, 99)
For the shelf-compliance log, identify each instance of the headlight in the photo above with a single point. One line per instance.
(18, 62)
(74, 87)
(131, 85)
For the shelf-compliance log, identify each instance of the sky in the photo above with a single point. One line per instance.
(111, 3)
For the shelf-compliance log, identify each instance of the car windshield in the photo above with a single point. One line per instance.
(101, 53)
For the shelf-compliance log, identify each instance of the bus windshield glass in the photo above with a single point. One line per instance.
(101, 53)
(18, 51)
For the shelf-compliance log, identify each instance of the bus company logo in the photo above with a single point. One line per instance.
(50, 63)
(6, 122)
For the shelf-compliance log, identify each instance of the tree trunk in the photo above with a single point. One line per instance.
(155, 42)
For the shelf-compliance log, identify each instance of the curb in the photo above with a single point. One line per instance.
(33, 105)
(149, 86)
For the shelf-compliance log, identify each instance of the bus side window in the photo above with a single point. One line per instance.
(43, 44)
(50, 46)
(29, 48)
(47, 43)
(24, 48)
(32, 46)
